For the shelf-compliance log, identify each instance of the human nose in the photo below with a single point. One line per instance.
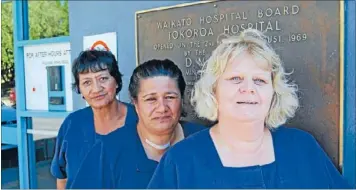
(247, 86)
(97, 87)
(162, 105)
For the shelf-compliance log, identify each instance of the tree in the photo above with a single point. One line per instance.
(7, 43)
(46, 19)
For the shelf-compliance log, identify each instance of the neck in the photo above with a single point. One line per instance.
(157, 139)
(244, 136)
(107, 113)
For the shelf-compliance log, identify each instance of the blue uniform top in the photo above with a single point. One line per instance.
(299, 163)
(134, 169)
(84, 157)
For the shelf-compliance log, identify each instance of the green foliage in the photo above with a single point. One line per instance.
(7, 43)
(46, 19)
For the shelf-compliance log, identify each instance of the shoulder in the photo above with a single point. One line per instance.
(293, 134)
(190, 146)
(131, 112)
(75, 119)
(78, 115)
(190, 128)
(128, 105)
(305, 153)
(80, 112)
(298, 139)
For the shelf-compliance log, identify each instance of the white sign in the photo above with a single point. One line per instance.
(37, 58)
(105, 41)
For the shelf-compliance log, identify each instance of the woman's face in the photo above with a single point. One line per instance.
(98, 89)
(159, 104)
(244, 91)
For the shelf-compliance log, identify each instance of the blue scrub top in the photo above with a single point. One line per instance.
(134, 170)
(85, 158)
(299, 163)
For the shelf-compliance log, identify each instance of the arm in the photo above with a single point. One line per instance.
(165, 175)
(58, 165)
(61, 183)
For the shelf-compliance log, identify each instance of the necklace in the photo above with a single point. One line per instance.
(156, 146)
(164, 146)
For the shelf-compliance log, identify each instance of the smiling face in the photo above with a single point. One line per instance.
(158, 104)
(98, 89)
(244, 91)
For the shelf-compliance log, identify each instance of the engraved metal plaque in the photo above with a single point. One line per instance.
(306, 34)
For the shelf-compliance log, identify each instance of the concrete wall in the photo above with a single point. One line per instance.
(96, 17)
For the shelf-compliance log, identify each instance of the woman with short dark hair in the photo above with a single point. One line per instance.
(87, 137)
(157, 91)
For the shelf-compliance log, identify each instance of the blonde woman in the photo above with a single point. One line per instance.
(244, 88)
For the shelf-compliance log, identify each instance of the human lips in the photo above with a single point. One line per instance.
(247, 102)
(99, 97)
(162, 118)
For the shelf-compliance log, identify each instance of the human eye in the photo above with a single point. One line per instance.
(171, 97)
(236, 79)
(103, 79)
(260, 81)
(86, 83)
(150, 99)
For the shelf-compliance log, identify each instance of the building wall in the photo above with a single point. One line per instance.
(96, 17)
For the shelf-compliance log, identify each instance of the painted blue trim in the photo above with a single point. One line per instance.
(44, 114)
(56, 93)
(349, 166)
(57, 107)
(26, 28)
(31, 156)
(7, 146)
(23, 152)
(9, 134)
(61, 39)
(19, 34)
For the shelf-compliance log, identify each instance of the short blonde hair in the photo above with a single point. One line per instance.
(285, 100)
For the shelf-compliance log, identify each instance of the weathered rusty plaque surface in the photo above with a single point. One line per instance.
(305, 34)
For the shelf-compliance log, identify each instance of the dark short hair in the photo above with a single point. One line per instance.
(155, 68)
(95, 61)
